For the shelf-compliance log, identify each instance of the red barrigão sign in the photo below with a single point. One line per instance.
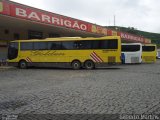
(32, 14)
(132, 37)
(25, 12)
(48, 18)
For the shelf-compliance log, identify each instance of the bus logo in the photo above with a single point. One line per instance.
(1, 7)
(95, 57)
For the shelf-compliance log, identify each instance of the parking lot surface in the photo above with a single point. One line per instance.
(129, 89)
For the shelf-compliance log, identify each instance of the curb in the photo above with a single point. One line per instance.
(6, 67)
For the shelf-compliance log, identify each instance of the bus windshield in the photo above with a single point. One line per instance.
(12, 50)
(148, 48)
(130, 48)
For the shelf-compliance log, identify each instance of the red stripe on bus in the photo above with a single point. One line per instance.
(98, 56)
(28, 59)
(94, 58)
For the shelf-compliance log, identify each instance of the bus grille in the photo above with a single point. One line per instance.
(111, 59)
(149, 58)
(134, 59)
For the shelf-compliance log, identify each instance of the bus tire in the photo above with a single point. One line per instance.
(23, 64)
(89, 65)
(76, 65)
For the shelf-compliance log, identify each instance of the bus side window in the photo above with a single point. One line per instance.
(113, 44)
(40, 45)
(86, 44)
(54, 46)
(109, 44)
(68, 45)
(26, 45)
(96, 44)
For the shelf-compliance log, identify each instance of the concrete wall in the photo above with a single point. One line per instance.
(3, 53)
(7, 34)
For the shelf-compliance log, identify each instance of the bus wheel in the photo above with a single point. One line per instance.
(76, 65)
(89, 65)
(23, 64)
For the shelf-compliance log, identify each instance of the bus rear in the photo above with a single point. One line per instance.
(131, 53)
(149, 53)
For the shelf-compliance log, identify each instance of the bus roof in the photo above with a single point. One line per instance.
(68, 39)
(131, 44)
(149, 45)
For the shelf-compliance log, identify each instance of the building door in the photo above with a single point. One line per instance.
(3, 51)
(16, 36)
(53, 35)
(35, 35)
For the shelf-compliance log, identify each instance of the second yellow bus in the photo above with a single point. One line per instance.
(149, 53)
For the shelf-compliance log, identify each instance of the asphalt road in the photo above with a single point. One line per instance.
(126, 89)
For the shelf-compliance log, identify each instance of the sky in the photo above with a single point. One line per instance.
(141, 14)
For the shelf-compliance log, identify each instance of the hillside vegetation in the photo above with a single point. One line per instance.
(155, 37)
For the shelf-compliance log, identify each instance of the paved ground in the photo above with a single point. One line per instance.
(126, 89)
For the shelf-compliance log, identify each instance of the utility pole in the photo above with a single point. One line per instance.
(114, 20)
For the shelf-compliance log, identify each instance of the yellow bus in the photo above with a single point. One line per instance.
(72, 52)
(149, 53)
